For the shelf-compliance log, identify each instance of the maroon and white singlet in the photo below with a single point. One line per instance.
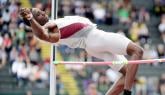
(74, 30)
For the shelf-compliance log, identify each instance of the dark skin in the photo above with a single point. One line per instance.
(129, 71)
(40, 26)
(39, 19)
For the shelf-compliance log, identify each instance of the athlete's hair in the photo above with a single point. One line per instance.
(26, 21)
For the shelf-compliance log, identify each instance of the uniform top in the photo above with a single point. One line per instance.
(73, 30)
(69, 25)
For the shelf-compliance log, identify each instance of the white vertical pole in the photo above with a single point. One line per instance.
(52, 88)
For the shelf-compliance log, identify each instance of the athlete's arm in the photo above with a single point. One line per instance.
(41, 31)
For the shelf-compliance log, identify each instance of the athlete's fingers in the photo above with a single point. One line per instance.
(24, 12)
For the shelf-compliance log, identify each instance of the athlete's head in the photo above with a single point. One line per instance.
(40, 16)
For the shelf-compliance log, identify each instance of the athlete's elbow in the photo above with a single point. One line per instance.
(52, 40)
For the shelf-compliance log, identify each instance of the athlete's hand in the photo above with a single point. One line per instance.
(26, 13)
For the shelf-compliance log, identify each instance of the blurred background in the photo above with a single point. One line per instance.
(24, 60)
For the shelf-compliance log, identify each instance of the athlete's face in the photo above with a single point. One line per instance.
(40, 16)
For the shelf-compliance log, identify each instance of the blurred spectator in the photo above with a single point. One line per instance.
(7, 43)
(34, 56)
(139, 32)
(143, 33)
(95, 76)
(1, 20)
(79, 8)
(123, 14)
(47, 64)
(66, 7)
(3, 2)
(65, 52)
(12, 30)
(141, 86)
(88, 12)
(1, 41)
(59, 86)
(160, 50)
(83, 56)
(6, 17)
(152, 85)
(162, 27)
(3, 57)
(24, 73)
(134, 15)
(47, 7)
(60, 10)
(108, 18)
(103, 84)
(13, 55)
(39, 76)
(143, 15)
(149, 52)
(162, 84)
(159, 7)
(20, 33)
(14, 8)
(23, 48)
(17, 64)
(133, 32)
(17, 68)
(92, 90)
(99, 13)
(38, 5)
(29, 93)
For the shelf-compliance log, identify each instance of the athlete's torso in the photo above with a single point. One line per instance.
(74, 30)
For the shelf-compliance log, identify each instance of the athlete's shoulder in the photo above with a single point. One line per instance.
(75, 17)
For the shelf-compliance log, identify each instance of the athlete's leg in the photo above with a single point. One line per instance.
(118, 86)
(117, 44)
(101, 48)
(129, 72)
(136, 54)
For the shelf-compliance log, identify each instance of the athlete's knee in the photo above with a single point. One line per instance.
(134, 49)
(123, 70)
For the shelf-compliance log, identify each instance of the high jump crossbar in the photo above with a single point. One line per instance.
(149, 61)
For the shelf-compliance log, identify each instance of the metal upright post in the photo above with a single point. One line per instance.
(52, 88)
